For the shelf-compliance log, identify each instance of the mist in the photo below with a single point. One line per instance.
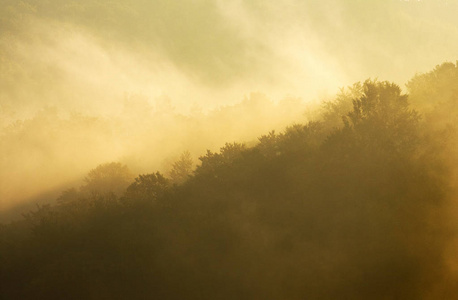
(245, 149)
(90, 58)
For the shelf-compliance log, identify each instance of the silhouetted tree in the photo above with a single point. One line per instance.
(107, 178)
(147, 188)
(182, 169)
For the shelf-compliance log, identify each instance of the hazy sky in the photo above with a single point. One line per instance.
(86, 55)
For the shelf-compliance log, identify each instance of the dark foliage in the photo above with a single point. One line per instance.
(352, 212)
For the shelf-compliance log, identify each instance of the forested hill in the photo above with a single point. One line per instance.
(354, 205)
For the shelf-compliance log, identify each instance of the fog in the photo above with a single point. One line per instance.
(228, 149)
(88, 82)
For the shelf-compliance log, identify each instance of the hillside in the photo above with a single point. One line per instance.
(353, 205)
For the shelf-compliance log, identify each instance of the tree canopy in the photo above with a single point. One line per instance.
(323, 210)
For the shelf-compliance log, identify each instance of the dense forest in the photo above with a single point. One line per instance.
(144, 135)
(358, 203)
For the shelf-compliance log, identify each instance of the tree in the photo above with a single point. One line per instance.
(214, 161)
(107, 178)
(182, 169)
(436, 88)
(435, 94)
(332, 112)
(147, 188)
(382, 118)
